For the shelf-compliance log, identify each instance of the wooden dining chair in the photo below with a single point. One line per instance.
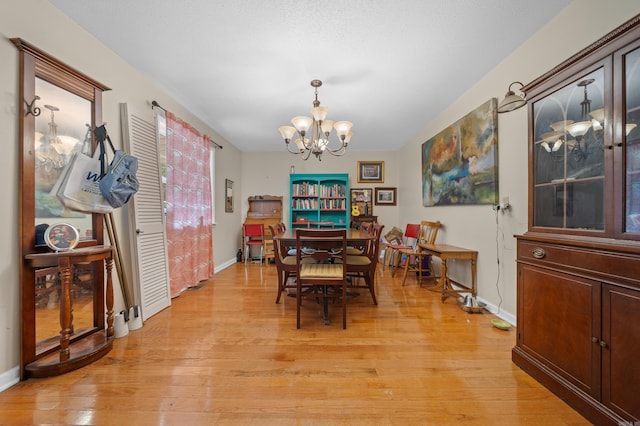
(357, 251)
(269, 250)
(326, 278)
(415, 257)
(363, 266)
(409, 241)
(285, 264)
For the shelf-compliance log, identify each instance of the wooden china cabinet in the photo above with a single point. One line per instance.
(578, 303)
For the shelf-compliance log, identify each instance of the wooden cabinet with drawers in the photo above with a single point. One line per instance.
(578, 298)
(578, 324)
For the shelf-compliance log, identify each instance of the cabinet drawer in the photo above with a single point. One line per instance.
(603, 265)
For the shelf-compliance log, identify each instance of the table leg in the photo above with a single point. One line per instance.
(109, 297)
(325, 301)
(473, 276)
(65, 308)
(444, 279)
(442, 282)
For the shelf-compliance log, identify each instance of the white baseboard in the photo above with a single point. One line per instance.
(507, 316)
(9, 378)
(225, 265)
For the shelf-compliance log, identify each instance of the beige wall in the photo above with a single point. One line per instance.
(581, 23)
(577, 26)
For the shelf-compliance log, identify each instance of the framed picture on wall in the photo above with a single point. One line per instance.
(460, 164)
(361, 201)
(370, 171)
(385, 196)
(228, 196)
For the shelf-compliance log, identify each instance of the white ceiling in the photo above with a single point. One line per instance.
(244, 66)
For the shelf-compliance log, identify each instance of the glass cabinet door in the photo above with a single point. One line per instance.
(568, 155)
(631, 133)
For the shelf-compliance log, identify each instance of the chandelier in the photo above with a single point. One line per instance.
(314, 133)
(47, 156)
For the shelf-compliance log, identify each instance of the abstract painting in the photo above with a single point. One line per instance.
(460, 164)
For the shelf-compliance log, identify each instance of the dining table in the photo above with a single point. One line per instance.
(355, 238)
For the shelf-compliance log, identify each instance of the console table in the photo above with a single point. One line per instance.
(72, 350)
(446, 252)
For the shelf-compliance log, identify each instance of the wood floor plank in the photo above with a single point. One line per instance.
(225, 354)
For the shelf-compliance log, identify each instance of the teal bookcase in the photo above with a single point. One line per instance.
(319, 200)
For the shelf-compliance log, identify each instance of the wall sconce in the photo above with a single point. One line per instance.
(512, 101)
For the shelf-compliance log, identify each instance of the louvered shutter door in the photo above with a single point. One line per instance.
(146, 220)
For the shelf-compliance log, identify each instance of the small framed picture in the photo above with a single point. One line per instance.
(386, 196)
(61, 237)
(370, 171)
(228, 196)
(361, 201)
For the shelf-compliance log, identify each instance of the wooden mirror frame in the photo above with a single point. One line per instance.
(35, 63)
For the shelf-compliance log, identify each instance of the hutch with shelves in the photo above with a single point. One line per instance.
(267, 210)
(319, 200)
(578, 299)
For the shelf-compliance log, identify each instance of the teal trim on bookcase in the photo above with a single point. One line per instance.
(319, 200)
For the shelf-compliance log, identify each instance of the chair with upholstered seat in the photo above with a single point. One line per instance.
(356, 251)
(285, 263)
(393, 256)
(327, 279)
(252, 236)
(363, 266)
(415, 257)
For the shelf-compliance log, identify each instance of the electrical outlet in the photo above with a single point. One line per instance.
(504, 205)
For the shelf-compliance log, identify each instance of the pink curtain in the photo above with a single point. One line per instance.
(188, 202)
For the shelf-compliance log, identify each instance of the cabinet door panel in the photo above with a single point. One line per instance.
(631, 133)
(569, 156)
(557, 323)
(620, 366)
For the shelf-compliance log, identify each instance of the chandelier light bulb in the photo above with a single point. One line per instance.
(327, 126)
(629, 128)
(347, 138)
(302, 124)
(287, 132)
(319, 113)
(301, 144)
(343, 127)
(579, 128)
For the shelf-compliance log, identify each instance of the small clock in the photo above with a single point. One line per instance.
(61, 236)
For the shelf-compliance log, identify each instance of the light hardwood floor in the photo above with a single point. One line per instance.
(226, 354)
